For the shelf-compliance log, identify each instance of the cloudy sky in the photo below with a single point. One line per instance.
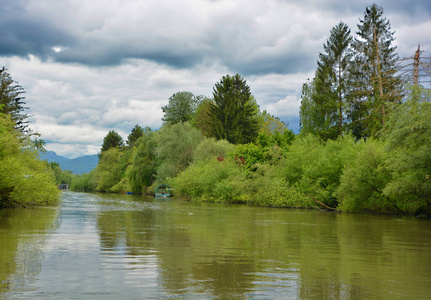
(92, 66)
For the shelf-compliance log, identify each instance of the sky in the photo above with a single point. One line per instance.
(92, 66)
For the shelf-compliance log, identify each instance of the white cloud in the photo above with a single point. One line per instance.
(287, 107)
(92, 66)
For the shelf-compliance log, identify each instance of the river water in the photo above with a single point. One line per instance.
(97, 246)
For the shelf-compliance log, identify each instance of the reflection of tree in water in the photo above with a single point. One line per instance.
(22, 238)
(200, 254)
(130, 229)
(234, 252)
(189, 250)
(229, 277)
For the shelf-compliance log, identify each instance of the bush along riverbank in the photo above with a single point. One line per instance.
(389, 175)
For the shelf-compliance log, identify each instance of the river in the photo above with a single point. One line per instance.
(104, 246)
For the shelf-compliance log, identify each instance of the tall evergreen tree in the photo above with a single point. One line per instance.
(134, 135)
(335, 62)
(323, 99)
(376, 87)
(12, 101)
(233, 113)
(112, 140)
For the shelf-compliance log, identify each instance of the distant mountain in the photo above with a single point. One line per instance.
(79, 165)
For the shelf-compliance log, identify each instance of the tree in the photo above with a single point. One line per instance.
(233, 114)
(323, 99)
(336, 63)
(134, 135)
(141, 172)
(110, 169)
(175, 147)
(24, 178)
(202, 118)
(112, 140)
(11, 100)
(376, 87)
(181, 108)
(318, 111)
(408, 136)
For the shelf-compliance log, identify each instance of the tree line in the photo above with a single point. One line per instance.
(24, 179)
(356, 86)
(363, 147)
(364, 144)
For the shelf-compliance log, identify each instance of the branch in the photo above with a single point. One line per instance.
(323, 204)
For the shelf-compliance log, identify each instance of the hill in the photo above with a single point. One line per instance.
(79, 165)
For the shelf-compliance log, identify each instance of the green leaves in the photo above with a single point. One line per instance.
(24, 179)
(376, 87)
(12, 101)
(408, 136)
(324, 99)
(233, 113)
(112, 140)
(181, 108)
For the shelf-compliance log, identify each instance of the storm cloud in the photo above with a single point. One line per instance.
(92, 66)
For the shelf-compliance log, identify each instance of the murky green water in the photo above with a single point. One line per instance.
(131, 247)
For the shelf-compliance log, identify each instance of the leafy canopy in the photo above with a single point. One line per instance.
(234, 112)
(181, 108)
(112, 140)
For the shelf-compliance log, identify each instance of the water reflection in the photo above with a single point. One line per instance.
(22, 238)
(132, 247)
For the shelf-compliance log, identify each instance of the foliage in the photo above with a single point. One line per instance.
(335, 64)
(181, 108)
(363, 180)
(323, 99)
(12, 101)
(271, 124)
(175, 147)
(210, 148)
(314, 167)
(112, 140)
(202, 119)
(234, 112)
(61, 176)
(24, 179)
(408, 136)
(135, 134)
(142, 169)
(376, 87)
(110, 169)
(208, 180)
(85, 182)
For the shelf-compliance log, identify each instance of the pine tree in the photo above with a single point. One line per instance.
(376, 87)
(233, 113)
(323, 99)
(134, 135)
(336, 62)
(112, 140)
(12, 101)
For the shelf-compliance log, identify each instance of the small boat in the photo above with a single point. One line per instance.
(162, 190)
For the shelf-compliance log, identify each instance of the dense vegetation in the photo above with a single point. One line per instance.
(364, 145)
(24, 179)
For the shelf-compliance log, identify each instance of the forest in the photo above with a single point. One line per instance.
(364, 144)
